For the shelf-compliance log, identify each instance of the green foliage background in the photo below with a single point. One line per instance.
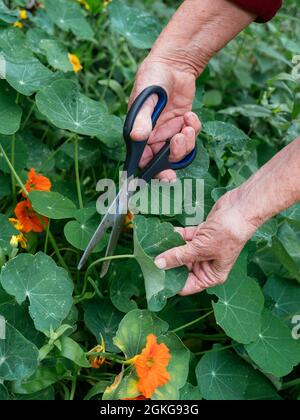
(233, 342)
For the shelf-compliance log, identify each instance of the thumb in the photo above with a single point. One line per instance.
(143, 125)
(176, 257)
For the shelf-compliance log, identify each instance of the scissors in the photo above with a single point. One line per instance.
(115, 219)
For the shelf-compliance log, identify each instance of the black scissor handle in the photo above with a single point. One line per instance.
(135, 149)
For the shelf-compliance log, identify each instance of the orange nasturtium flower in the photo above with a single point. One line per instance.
(22, 14)
(151, 366)
(37, 182)
(74, 60)
(128, 222)
(97, 361)
(20, 238)
(28, 218)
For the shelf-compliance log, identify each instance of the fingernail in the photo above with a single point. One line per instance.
(161, 263)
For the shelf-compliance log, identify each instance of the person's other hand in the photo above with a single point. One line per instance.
(176, 122)
(211, 248)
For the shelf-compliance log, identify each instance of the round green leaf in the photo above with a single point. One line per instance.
(198, 169)
(240, 304)
(64, 105)
(47, 286)
(7, 15)
(224, 376)
(285, 295)
(10, 114)
(224, 133)
(102, 319)
(150, 239)
(56, 54)
(18, 357)
(275, 351)
(68, 15)
(190, 392)
(52, 204)
(138, 27)
(134, 328)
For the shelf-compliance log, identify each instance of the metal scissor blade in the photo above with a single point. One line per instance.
(113, 240)
(107, 221)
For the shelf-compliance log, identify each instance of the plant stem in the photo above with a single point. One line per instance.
(189, 324)
(58, 254)
(76, 161)
(47, 237)
(74, 384)
(100, 260)
(12, 159)
(28, 116)
(290, 384)
(13, 170)
(200, 353)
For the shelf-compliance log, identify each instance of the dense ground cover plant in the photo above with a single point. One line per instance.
(69, 69)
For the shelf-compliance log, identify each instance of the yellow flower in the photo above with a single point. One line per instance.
(18, 239)
(85, 4)
(18, 24)
(97, 361)
(16, 224)
(74, 60)
(22, 14)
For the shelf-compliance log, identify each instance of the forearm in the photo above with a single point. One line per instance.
(273, 188)
(197, 31)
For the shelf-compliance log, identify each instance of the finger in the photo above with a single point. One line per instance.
(192, 120)
(190, 138)
(176, 257)
(187, 233)
(142, 127)
(177, 147)
(191, 286)
(168, 175)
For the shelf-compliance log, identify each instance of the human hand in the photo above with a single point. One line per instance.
(212, 247)
(176, 122)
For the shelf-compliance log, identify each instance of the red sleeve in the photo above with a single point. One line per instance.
(264, 9)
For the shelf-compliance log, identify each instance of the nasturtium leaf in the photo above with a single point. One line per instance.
(134, 329)
(18, 316)
(34, 36)
(190, 392)
(5, 185)
(223, 375)
(225, 133)
(137, 26)
(289, 236)
(126, 281)
(47, 286)
(281, 246)
(39, 154)
(275, 351)
(112, 131)
(285, 294)
(248, 110)
(7, 15)
(89, 151)
(68, 15)
(57, 55)
(20, 155)
(6, 232)
(240, 305)
(18, 357)
(292, 213)
(43, 378)
(151, 238)
(4, 395)
(198, 169)
(72, 351)
(42, 21)
(64, 105)
(178, 368)
(10, 114)
(52, 204)
(13, 43)
(102, 319)
(27, 75)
